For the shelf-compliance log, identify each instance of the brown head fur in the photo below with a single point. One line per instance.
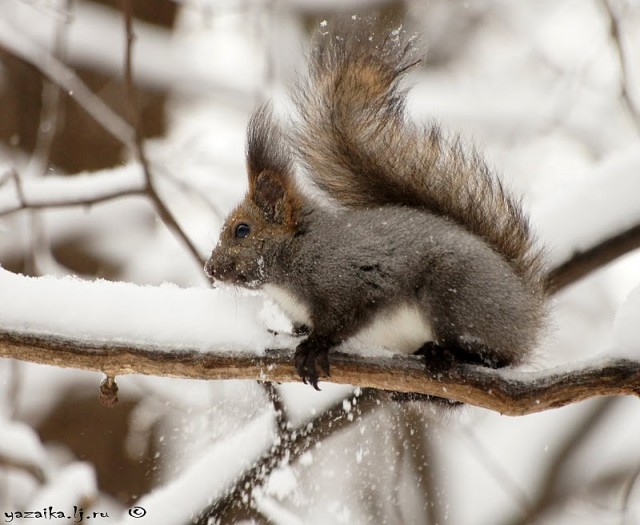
(269, 216)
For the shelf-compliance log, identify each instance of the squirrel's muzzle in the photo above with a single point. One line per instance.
(222, 267)
(209, 268)
(218, 267)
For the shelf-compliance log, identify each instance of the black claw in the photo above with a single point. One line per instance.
(311, 356)
(323, 362)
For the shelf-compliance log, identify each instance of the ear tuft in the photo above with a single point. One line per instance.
(271, 184)
(267, 148)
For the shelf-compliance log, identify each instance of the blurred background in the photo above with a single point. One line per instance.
(548, 89)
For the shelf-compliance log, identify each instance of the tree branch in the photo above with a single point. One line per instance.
(585, 262)
(130, 136)
(549, 487)
(52, 68)
(138, 146)
(44, 193)
(506, 392)
(292, 444)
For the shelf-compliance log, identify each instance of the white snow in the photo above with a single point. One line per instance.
(602, 202)
(72, 485)
(192, 490)
(282, 483)
(20, 444)
(161, 58)
(535, 84)
(626, 327)
(118, 313)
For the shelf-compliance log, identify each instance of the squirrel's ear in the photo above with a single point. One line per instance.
(268, 192)
(268, 164)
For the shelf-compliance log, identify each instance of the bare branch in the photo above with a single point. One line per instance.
(590, 260)
(279, 410)
(508, 393)
(129, 136)
(626, 496)
(67, 79)
(165, 213)
(35, 194)
(294, 443)
(19, 188)
(549, 487)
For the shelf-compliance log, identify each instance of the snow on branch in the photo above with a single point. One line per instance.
(17, 44)
(120, 328)
(79, 190)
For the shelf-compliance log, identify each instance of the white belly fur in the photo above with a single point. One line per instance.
(297, 311)
(400, 329)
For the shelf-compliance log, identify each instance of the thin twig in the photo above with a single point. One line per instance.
(589, 492)
(626, 495)
(419, 437)
(14, 386)
(616, 35)
(586, 262)
(17, 180)
(548, 487)
(50, 111)
(165, 213)
(294, 444)
(495, 469)
(40, 158)
(5, 177)
(279, 410)
(68, 80)
(26, 204)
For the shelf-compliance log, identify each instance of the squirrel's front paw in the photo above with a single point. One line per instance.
(310, 355)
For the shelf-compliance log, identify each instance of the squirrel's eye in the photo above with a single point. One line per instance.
(242, 230)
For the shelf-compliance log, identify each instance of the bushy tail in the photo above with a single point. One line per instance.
(360, 148)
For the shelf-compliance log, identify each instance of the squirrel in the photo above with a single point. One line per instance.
(413, 244)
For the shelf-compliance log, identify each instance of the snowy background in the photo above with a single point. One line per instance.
(544, 87)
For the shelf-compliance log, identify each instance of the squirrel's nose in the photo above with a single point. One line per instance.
(218, 266)
(208, 268)
(214, 268)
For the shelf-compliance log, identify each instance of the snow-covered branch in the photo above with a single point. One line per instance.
(506, 392)
(80, 190)
(17, 44)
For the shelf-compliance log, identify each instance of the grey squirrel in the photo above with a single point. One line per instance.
(424, 252)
